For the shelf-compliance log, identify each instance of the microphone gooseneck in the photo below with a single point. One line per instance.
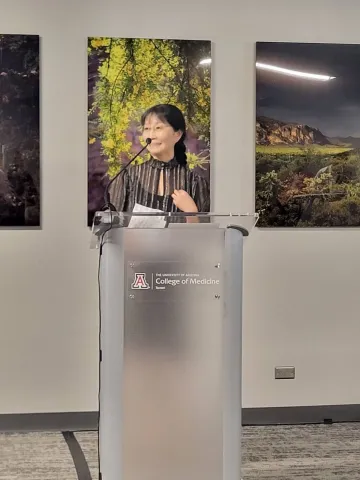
(107, 199)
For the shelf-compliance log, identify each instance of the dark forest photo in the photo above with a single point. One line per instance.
(19, 131)
(126, 76)
(307, 135)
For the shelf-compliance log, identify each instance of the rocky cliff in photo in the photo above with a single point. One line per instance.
(274, 132)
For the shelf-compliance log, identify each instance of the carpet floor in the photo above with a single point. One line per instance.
(326, 452)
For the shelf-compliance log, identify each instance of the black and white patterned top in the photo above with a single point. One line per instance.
(140, 184)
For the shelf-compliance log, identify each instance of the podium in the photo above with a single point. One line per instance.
(170, 344)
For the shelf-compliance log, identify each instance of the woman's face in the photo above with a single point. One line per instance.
(163, 138)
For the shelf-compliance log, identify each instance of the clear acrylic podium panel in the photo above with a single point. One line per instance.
(108, 220)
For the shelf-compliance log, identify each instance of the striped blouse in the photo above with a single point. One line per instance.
(140, 184)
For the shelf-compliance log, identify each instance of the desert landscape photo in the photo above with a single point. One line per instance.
(308, 135)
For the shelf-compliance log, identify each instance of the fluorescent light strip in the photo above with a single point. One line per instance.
(294, 73)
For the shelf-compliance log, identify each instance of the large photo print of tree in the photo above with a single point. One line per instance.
(127, 76)
(307, 135)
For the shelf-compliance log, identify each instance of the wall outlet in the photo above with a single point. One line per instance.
(282, 373)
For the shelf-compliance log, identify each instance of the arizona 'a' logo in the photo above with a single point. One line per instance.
(140, 282)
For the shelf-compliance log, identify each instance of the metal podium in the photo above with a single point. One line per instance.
(170, 345)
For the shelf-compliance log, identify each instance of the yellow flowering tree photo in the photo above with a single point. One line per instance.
(126, 77)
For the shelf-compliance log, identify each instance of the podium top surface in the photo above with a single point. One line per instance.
(104, 221)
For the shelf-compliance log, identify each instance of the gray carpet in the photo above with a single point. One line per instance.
(327, 452)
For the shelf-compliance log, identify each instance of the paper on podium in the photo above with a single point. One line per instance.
(145, 221)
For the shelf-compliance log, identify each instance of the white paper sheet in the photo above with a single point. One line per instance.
(144, 221)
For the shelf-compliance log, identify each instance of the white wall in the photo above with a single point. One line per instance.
(301, 287)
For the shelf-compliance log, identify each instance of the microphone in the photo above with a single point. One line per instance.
(107, 194)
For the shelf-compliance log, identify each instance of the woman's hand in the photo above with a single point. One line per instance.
(184, 202)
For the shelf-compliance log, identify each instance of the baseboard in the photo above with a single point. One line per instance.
(81, 421)
(58, 422)
(301, 415)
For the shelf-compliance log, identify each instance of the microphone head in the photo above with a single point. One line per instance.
(148, 141)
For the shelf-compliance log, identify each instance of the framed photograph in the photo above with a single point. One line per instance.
(19, 131)
(130, 76)
(307, 135)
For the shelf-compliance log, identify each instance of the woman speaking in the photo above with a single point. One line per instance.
(164, 182)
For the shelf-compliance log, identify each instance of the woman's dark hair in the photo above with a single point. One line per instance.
(174, 117)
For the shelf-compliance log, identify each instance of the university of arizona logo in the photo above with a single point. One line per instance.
(140, 282)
